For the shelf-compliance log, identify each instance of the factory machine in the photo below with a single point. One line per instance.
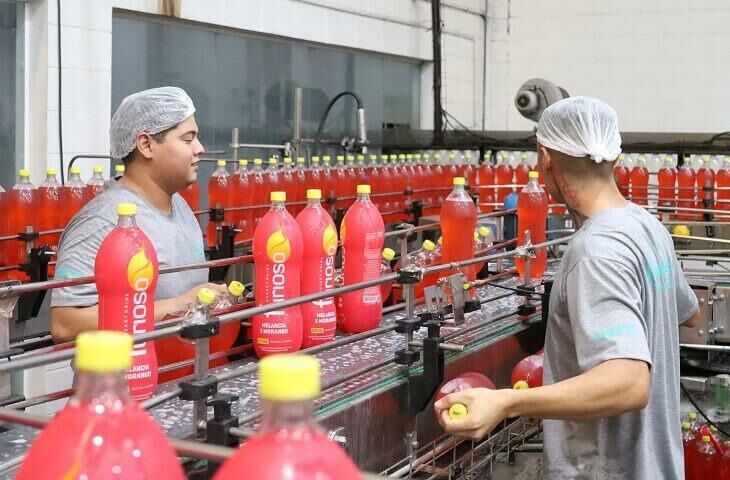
(379, 385)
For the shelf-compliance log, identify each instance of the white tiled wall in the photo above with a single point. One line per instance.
(662, 64)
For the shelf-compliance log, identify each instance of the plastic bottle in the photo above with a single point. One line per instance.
(622, 176)
(688, 447)
(341, 181)
(465, 381)
(277, 255)
(23, 208)
(504, 176)
(686, 191)
(724, 463)
(234, 296)
(695, 425)
(423, 258)
(485, 240)
(376, 182)
(319, 244)
(102, 432)
(458, 220)
(723, 188)
(259, 191)
(706, 459)
(199, 311)
(361, 171)
(4, 204)
(96, 183)
(125, 272)
(329, 180)
(528, 372)
(705, 183)
(75, 194)
(522, 170)
(241, 186)
(289, 444)
(315, 177)
(532, 207)
(300, 181)
(362, 234)
(385, 268)
(287, 179)
(351, 172)
(272, 178)
(640, 183)
(49, 204)
(667, 177)
(486, 179)
(219, 196)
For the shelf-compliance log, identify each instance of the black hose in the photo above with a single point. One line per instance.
(326, 113)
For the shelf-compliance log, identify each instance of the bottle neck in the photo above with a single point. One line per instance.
(74, 177)
(459, 189)
(278, 206)
(363, 197)
(97, 176)
(314, 202)
(107, 387)
(51, 179)
(127, 221)
(277, 415)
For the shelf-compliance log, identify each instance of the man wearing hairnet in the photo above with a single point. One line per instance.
(610, 403)
(154, 133)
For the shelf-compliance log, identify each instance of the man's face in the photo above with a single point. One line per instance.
(176, 157)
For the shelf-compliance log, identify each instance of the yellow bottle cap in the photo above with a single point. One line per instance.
(24, 173)
(97, 169)
(686, 426)
(289, 378)
(468, 154)
(273, 161)
(206, 295)
(278, 196)
(437, 156)
(401, 156)
(484, 231)
(713, 429)
(119, 168)
(351, 158)
(458, 411)
(236, 288)
(520, 385)
(243, 162)
(340, 158)
(393, 156)
(301, 160)
(50, 171)
(428, 245)
(74, 170)
(706, 439)
(388, 254)
(362, 189)
(533, 174)
(103, 351)
(452, 156)
(373, 158)
(314, 194)
(326, 159)
(459, 181)
(385, 157)
(221, 163)
(409, 156)
(315, 159)
(127, 209)
(692, 415)
(360, 157)
(523, 155)
(287, 160)
(426, 156)
(257, 161)
(682, 231)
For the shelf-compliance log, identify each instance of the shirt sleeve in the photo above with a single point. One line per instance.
(604, 307)
(686, 299)
(76, 256)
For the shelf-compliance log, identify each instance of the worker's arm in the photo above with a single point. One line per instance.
(694, 320)
(67, 322)
(611, 388)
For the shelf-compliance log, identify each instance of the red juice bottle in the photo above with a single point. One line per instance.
(49, 204)
(319, 246)
(351, 171)
(706, 459)
(451, 170)
(458, 222)
(289, 443)
(640, 183)
(667, 177)
(438, 183)
(486, 179)
(259, 191)
(362, 234)
(4, 200)
(622, 176)
(102, 432)
(300, 183)
(724, 463)
(75, 194)
(287, 181)
(242, 191)
(686, 191)
(96, 183)
(125, 272)
(465, 381)
(329, 180)
(376, 182)
(362, 171)
(277, 256)
(522, 170)
(273, 178)
(341, 181)
(316, 175)
(723, 188)
(23, 208)
(532, 207)
(705, 183)
(528, 372)
(219, 196)
(504, 176)
(688, 447)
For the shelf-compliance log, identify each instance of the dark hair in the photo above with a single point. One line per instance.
(157, 137)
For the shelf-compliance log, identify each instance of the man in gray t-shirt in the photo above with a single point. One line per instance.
(610, 403)
(155, 134)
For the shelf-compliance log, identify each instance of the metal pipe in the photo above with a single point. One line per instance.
(709, 348)
(267, 146)
(234, 147)
(49, 397)
(689, 237)
(160, 399)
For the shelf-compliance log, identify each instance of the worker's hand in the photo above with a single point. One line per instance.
(486, 409)
(192, 294)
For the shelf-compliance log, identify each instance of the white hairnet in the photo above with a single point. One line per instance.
(579, 127)
(150, 111)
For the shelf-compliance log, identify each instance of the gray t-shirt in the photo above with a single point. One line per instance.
(619, 293)
(176, 236)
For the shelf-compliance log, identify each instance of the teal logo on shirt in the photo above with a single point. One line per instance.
(66, 273)
(661, 276)
(621, 330)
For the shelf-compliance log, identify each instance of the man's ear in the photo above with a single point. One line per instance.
(144, 145)
(544, 158)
